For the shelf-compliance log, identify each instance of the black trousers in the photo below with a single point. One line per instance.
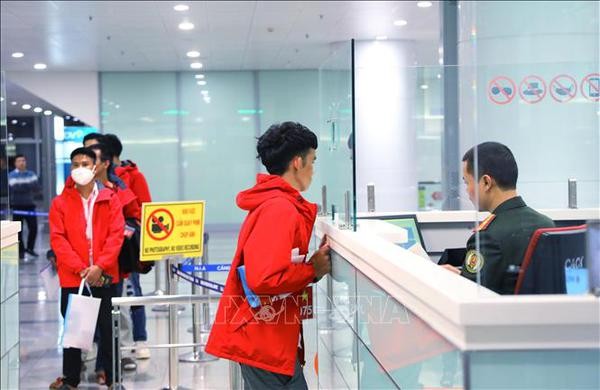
(72, 356)
(32, 227)
(259, 379)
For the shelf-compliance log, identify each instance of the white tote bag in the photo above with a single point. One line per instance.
(51, 283)
(80, 320)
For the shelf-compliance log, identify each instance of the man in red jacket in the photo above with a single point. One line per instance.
(272, 249)
(86, 233)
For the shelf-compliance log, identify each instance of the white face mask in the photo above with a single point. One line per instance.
(82, 176)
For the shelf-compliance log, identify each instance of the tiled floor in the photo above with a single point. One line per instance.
(40, 329)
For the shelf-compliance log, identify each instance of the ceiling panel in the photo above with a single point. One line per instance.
(143, 35)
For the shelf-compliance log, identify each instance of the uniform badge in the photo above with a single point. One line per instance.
(474, 261)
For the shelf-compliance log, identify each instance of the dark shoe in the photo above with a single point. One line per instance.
(128, 364)
(31, 252)
(59, 384)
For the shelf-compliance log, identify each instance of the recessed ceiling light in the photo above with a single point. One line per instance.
(38, 109)
(204, 92)
(439, 75)
(400, 22)
(201, 82)
(186, 26)
(14, 121)
(193, 54)
(26, 106)
(181, 7)
(424, 4)
(47, 112)
(1, 98)
(39, 66)
(381, 37)
(13, 103)
(68, 117)
(424, 86)
(196, 65)
(17, 54)
(199, 76)
(76, 119)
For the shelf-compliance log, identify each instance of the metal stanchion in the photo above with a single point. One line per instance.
(173, 323)
(200, 317)
(235, 376)
(116, 363)
(164, 308)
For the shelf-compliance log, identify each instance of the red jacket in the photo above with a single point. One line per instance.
(134, 180)
(279, 220)
(68, 240)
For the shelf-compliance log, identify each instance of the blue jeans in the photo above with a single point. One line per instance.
(138, 316)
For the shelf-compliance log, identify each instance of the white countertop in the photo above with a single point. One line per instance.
(472, 215)
(9, 231)
(470, 316)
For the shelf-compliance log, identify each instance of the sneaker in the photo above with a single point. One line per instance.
(31, 252)
(101, 378)
(58, 383)
(128, 364)
(141, 350)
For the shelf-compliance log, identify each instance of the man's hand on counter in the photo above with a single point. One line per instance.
(451, 268)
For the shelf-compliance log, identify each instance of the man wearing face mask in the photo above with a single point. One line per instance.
(505, 234)
(86, 234)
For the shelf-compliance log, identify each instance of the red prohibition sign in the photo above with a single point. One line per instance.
(563, 88)
(590, 86)
(532, 89)
(501, 90)
(166, 228)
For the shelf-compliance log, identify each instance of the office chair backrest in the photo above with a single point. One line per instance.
(550, 252)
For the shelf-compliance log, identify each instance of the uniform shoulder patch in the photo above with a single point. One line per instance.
(485, 223)
(474, 261)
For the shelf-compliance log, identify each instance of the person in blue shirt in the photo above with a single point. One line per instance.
(23, 184)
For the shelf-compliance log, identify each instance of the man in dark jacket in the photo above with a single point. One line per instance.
(504, 235)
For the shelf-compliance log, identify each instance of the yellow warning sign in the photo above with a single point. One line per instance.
(172, 228)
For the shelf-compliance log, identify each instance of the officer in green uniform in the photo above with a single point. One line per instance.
(505, 234)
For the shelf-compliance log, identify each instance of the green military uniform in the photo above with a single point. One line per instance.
(503, 240)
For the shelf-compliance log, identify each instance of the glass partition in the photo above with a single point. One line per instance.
(336, 135)
(547, 115)
(4, 193)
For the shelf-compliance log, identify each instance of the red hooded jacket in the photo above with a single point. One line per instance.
(134, 180)
(279, 220)
(68, 240)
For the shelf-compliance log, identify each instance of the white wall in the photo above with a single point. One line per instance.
(74, 92)
(385, 92)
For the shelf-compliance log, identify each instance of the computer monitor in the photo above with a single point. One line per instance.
(408, 222)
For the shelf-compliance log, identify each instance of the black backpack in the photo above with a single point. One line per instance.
(129, 257)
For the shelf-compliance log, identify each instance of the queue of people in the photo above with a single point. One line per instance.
(87, 229)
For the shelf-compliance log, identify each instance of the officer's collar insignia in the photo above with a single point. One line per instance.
(474, 261)
(485, 223)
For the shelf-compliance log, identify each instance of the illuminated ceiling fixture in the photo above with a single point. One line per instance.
(38, 109)
(201, 82)
(400, 23)
(40, 66)
(381, 37)
(424, 86)
(14, 121)
(13, 103)
(181, 7)
(424, 4)
(204, 92)
(193, 54)
(26, 106)
(186, 26)
(199, 76)
(47, 112)
(196, 65)
(17, 54)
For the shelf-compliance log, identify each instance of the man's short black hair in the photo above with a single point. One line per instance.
(495, 160)
(281, 143)
(114, 143)
(19, 156)
(84, 151)
(97, 136)
(106, 153)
